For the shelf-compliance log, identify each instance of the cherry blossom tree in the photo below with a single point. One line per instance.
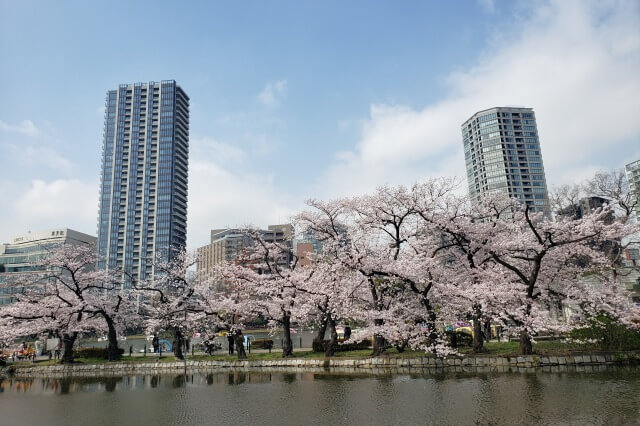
(392, 261)
(455, 221)
(324, 299)
(537, 262)
(224, 305)
(169, 300)
(66, 295)
(415, 259)
(265, 280)
(613, 186)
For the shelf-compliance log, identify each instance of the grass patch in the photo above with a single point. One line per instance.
(545, 348)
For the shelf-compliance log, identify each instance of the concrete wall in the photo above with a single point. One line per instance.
(380, 365)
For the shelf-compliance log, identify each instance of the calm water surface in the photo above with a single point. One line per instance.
(603, 398)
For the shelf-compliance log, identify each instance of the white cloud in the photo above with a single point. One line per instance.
(35, 156)
(576, 63)
(220, 198)
(220, 151)
(47, 204)
(25, 127)
(273, 93)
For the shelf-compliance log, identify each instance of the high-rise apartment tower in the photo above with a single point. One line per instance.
(633, 177)
(143, 194)
(502, 153)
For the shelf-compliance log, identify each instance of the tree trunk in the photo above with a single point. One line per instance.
(68, 340)
(432, 333)
(287, 346)
(330, 350)
(238, 339)
(478, 339)
(379, 343)
(526, 347)
(113, 353)
(178, 344)
(318, 341)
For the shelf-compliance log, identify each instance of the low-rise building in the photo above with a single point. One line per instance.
(228, 243)
(305, 247)
(24, 252)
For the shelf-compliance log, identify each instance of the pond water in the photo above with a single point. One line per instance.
(241, 398)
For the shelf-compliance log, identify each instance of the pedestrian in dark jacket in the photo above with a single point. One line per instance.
(230, 340)
(347, 332)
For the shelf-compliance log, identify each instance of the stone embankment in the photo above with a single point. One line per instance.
(379, 365)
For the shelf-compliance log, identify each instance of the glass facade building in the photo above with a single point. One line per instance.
(143, 193)
(502, 153)
(23, 254)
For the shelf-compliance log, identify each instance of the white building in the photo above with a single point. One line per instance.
(24, 251)
(502, 153)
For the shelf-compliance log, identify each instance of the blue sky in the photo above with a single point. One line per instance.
(291, 100)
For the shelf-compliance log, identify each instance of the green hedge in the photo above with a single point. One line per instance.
(609, 333)
(319, 346)
(262, 344)
(460, 338)
(363, 344)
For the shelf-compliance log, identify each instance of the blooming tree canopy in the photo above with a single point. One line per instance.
(67, 296)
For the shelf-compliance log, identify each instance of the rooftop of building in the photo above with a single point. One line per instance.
(633, 165)
(52, 234)
(228, 233)
(511, 108)
(144, 83)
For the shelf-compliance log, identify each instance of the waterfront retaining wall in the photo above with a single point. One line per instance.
(378, 365)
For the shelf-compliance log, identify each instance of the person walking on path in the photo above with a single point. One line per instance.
(155, 343)
(230, 340)
(347, 332)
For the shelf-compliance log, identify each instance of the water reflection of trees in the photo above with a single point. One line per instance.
(178, 381)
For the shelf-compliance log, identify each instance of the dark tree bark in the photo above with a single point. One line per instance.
(238, 339)
(287, 345)
(402, 347)
(478, 339)
(454, 339)
(526, 347)
(330, 349)
(322, 329)
(178, 344)
(113, 352)
(379, 343)
(68, 340)
(431, 320)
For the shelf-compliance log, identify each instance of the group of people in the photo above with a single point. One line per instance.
(23, 351)
(27, 351)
